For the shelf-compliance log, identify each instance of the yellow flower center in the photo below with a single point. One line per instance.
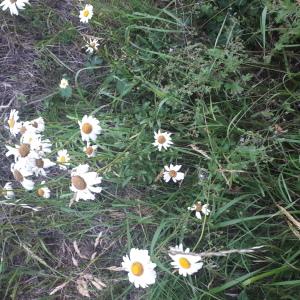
(61, 159)
(172, 173)
(137, 269)
(11, 122)
(87, 128)
(89, 150)
(18, 176)
(40, 192)
(184, 263)
(86, 13)
(161, 139)
(24, 150)
(39, 163)
(78, 182)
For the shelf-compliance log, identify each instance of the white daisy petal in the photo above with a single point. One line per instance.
(198, 215)
(13, 124)
(7, 191)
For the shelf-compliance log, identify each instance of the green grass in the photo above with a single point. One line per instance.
(210, 73)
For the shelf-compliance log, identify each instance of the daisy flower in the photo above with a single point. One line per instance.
(139, 267)
(92, 46)
(22, 151)
(89, 128)
(64, 83)
(41, 146)
(38, 124)
(14, 126)
(14, 5)
(162, 140)
(40, 164)
(7, 191)
(26, 126)
(86, 14)
(199, 208)
(89, 150)
(30, 136)
(43, 192)
(172, 172)
(83, 181)
(20, 173)
(63, 159)
(186, 263)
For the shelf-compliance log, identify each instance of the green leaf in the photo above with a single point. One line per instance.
(66, 93)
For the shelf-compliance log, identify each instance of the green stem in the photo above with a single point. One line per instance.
(201, 235)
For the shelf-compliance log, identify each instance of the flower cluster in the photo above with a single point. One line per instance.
(29, 153)
(30, 158)
(163, 140)
(82, 181)
(141, 270)
(138, 263)
(85, 15)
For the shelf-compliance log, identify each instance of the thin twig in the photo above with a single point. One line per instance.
(8, 105)
(219, 253)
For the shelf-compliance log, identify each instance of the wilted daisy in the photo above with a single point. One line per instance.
(43, 192)
(86, 14)
(83, 181)
(89, 128)
(64, 83)
(139, 267)
(20, 173)
(172, 172)
(42, 147)
(13, 124)
(92, 46)
(90, 150)
(162, 140)
(63, 159)
(199, 208)
(40, 164)
(7, 191)
(14, 5)
(186, 263)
